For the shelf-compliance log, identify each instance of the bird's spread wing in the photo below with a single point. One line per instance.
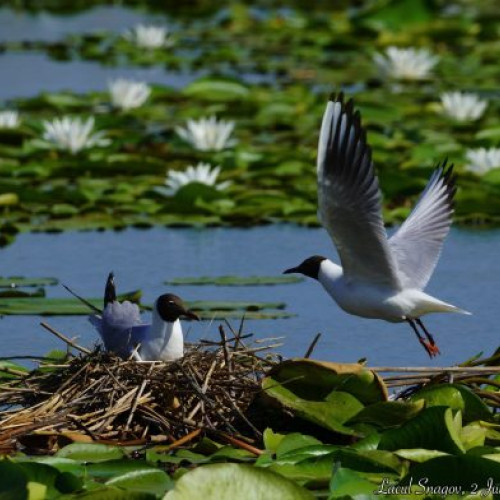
(349, 197)
(417, 244)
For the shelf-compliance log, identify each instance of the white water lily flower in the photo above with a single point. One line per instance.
(128, 94)
(9, 119)
(202, 173)
(405, 64)
(149, 36)
(481, 160)
(463, 106)
(73, 134)
(208, 134)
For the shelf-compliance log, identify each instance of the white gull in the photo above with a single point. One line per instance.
(379, 278)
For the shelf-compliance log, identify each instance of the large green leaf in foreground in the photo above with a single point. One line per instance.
(235, 481)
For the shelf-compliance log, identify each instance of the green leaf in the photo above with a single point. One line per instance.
(348, 483)
(116, 466)
(321, 413)
(315, 380)
(462, 471)
(10, 370)
(18, 281)
(432, 429)
(272, 440)
(151, 481)
(231, 481)
(13, 482)
(386, 414)
(90, 452)
(216, 90)
(233, 305)
(473, 435)
(63, 464)
(295, 441)
(457, 397)
(113, 493)
(54, 306)
(419, 454)
(236, 280)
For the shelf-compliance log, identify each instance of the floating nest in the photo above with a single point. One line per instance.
(99, 397)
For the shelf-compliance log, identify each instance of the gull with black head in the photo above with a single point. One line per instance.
(123, 332)
(379, 277)
(165, 340)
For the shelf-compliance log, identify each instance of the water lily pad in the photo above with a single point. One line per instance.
(236, 280)
(230, 481)
(211, 89)
(18, 281)
(315, 380)
(83, 452)
(432, 429)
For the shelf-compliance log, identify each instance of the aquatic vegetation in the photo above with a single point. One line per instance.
(149, 36)
(73, 134)
(365, 432)
(128, 94)
(9, 119)
(208, 134)
(202, 173)
(463, 106)
(405, 64)
(482, 160)
(270, 73)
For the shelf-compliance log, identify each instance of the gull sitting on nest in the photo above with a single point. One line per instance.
(120, 326)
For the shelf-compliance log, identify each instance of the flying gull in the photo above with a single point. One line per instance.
(379, 277)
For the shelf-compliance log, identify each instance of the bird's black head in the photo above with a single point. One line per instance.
(170, 307)
(310, 267)
(110, 290)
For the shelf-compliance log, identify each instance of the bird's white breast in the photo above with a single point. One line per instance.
(164, 342)
(363, 299)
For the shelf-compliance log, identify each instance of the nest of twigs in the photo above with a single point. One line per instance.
(100, 397)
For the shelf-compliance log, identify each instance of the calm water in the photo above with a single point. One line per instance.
(467, 275)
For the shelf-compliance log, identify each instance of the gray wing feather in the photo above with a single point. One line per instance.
(349, 199)
(417, 244)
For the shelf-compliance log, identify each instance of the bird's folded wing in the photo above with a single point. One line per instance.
(139, 333)
(417, 244)
(349, 206)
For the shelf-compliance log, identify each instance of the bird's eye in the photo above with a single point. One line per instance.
(171, 302)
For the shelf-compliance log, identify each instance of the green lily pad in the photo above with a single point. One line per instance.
(153, 481)
(432, 429)
(322, 413)
(316, 380)
(230, 481)
(236, 280)
(84, 452)
(458, 397)
(18, 281)
(211, 89)
(468, 472)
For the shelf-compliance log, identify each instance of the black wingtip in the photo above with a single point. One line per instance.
(449, 179)
(337, 97)
(110, 290)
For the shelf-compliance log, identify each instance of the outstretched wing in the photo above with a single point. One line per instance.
(349, 199)
(417, 244)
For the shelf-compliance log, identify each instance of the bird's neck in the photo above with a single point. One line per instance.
(171, 333)
(329, 272)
